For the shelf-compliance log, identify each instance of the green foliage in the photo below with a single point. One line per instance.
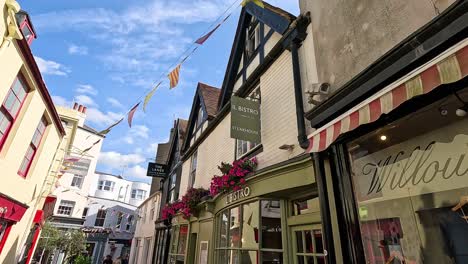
(72, 242)
(82, 260)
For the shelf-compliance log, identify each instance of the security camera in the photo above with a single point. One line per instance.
(322, 90)
(461, 112)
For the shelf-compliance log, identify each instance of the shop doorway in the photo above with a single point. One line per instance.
(308, 244)
(192, 248)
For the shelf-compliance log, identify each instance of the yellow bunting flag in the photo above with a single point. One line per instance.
(107, 130)
(257, 2)
(88, 149)
(174, 77)
(149, 95)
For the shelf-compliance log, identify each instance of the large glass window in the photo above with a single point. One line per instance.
(172, 188)
(11, 106)
(410, 180)
(138, 194)
(193, 169)
(178, 245)
(250, 233)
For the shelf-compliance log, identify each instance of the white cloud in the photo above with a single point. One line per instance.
(61, 101)
(114, 159)
(137, 172)
(79, 50)
(98, 117)
(138, 132)
(85, 100)
(139, 40)
(49, 67)
(86, 89)
(114, 102)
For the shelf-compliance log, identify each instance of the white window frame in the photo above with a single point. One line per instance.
(193, 168)
(138, 194)
(68, 206)
(106, 185)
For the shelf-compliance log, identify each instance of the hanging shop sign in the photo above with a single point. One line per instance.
(157, 170)
(236, 195)
(245, 119)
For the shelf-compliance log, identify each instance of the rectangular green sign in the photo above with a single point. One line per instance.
(245, 119)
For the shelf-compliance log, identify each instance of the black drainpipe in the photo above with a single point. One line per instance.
(301, 130)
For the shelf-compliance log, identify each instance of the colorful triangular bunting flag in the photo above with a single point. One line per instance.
(174, 77)
(131, 114)
(202, 40)
(149, 95)
(107, 130)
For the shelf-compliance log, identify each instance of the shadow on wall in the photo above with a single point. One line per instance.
(11, 255)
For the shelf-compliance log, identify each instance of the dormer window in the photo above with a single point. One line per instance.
(25, 26)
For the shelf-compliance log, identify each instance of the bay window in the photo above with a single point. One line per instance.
(11, 107)
(32, 148)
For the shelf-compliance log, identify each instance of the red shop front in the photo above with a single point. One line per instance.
(11, 212)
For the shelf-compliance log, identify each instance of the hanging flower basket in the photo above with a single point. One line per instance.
(233, 178)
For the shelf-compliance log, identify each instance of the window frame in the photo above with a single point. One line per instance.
(25, 23)
(175, 241)
(129, 223)
(34, 147)
(193, 168)
(136, 193)
(85, 212)
(72, 208)
(100, 216)
(172, 188)
(102, 184)
(7, 113)
(260, 249)
(78, 177)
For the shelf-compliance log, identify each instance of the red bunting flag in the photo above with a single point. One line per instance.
(202, 40)
(131, 114)
(174, 77)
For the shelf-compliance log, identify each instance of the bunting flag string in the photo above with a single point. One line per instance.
(131, 114)
(174, 74)
(149, 95)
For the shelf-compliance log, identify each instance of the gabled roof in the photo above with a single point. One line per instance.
(207, 97)
(276, 18)
(210, 96)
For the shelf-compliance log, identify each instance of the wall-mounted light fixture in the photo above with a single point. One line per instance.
(321, 91)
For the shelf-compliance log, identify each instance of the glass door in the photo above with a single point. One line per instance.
(308, 245)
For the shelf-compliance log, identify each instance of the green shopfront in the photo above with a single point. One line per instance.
(275, 218)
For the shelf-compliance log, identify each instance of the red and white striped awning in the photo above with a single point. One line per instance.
(449, 67)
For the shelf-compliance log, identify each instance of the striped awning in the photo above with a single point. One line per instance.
(449, 67)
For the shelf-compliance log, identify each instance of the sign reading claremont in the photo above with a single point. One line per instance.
(236, 195)
(245, 119)
(157, 170)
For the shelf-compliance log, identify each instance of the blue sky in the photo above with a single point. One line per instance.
(106, 54)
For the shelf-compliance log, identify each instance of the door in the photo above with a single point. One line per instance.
(192, 248)
(308, 245)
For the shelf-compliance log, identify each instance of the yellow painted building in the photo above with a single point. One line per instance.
(31, 132)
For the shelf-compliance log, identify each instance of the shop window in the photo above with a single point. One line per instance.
(308, 246)
(178, 245)
(138, 194)
(306, 206)
(243, 147)
(66, 208)
(4, 230)
(250, 233)
(11, 107)
(106, 186)
(32, 148)
(100, 217)
(409, 178)
(193, 169)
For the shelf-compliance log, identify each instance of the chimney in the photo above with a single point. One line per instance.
(80, 109)
(84, 109)
(75, 106)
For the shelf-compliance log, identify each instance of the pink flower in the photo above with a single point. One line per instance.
(232, 182)
(236, 188)
(242, 181)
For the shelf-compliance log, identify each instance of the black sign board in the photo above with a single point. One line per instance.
(157, 170)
